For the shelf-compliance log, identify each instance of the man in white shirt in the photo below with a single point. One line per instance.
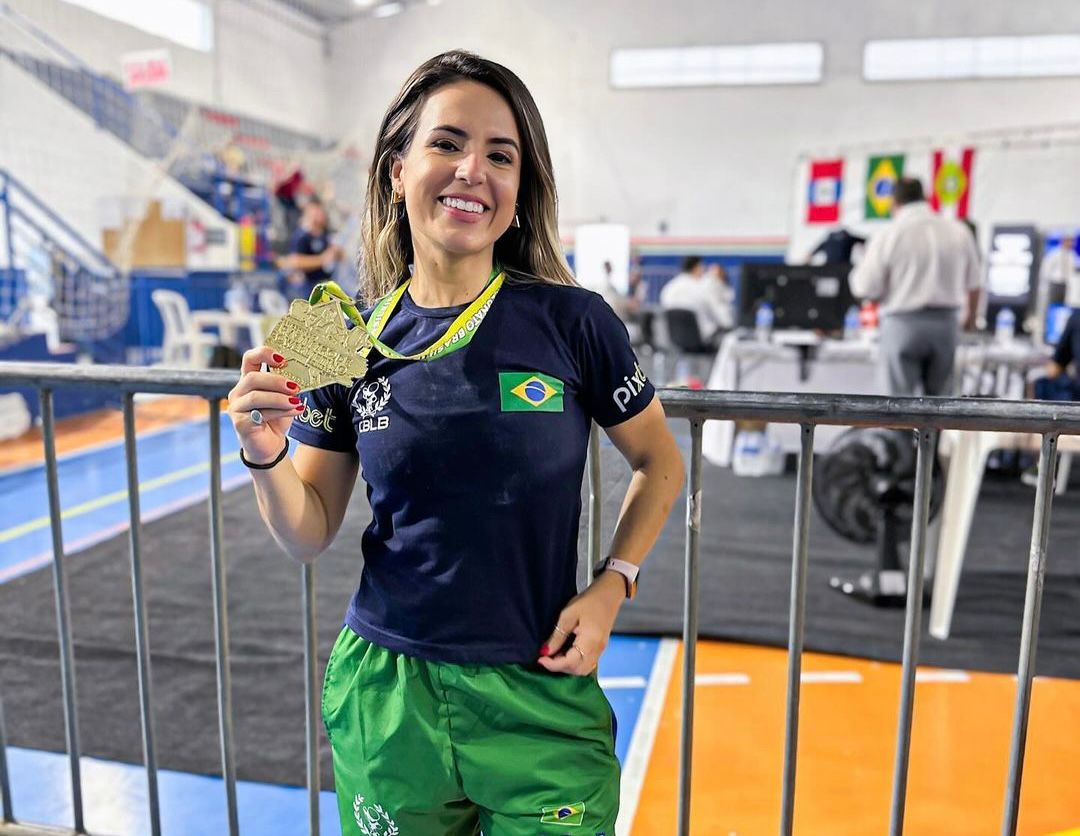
(692, 290)
(1059, 266)
(924, 270)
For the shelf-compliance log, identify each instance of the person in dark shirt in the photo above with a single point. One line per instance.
(836, 248)
(312, 256)
(1059, 384)
(461, 694)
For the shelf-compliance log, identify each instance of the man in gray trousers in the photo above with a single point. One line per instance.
(924, 270)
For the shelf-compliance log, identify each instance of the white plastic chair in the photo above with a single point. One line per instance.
(273, 302)
(186, 344)
(15, 416)
(968, 453)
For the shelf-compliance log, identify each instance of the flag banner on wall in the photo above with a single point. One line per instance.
(950, 181)
(823, 199)
(881, 175)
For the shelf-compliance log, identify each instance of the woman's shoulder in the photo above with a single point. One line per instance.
(562, 298)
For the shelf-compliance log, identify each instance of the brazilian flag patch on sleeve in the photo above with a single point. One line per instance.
(530, 392)
(570, 815)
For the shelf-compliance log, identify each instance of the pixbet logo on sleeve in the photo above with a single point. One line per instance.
(633, 386)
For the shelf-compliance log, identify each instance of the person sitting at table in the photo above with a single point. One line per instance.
(1060, 384)
(692, 290)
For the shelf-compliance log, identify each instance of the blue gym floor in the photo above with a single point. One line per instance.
(173, 474)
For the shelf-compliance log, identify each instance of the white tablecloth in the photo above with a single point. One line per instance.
(847, 367)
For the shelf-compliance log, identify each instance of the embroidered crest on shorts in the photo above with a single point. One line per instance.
(568, 815)
(373, 819)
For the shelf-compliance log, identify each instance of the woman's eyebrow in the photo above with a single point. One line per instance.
(460, 132)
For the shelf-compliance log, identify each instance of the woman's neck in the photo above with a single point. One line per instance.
(443, 282)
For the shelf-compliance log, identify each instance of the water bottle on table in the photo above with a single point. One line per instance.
(763, 322)
(1005, 326)
(851, 323)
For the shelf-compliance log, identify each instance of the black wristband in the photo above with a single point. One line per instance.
(284, 452)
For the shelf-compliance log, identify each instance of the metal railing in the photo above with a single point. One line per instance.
(925, 416)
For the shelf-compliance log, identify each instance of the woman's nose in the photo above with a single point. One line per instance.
(471, 169)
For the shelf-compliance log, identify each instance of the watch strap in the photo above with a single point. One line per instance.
(628, 570)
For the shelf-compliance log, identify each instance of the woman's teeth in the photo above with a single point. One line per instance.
(464, 205)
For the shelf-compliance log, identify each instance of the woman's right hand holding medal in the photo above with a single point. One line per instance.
(262, 405)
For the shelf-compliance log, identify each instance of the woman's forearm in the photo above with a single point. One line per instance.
(293, 511)
(653, 489)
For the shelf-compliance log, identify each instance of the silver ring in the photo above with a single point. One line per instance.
(255, 416)
(581, 652)
(560, 630)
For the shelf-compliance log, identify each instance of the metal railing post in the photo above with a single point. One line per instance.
(142, 637)
(311, 698)
(63, 609)
(927, 445)
(221, 620)
(1029, 636)
(797, 623)
(5, 196)
(690, 624)
(7, 812)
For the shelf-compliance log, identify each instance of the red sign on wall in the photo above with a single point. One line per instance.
(151, 68)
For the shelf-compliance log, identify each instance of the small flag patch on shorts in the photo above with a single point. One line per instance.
(570, 815)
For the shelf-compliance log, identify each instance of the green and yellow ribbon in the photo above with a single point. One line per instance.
(457, 335)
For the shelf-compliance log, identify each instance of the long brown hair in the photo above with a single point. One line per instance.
(531, 252)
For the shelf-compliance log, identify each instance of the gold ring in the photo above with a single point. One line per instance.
(560, 630)
(581, 653)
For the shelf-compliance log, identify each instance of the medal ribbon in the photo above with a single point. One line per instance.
(457, 335)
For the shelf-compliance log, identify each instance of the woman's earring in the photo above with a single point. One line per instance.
(516, 223)
(398, 200)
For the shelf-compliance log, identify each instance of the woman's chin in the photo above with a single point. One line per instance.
(462, 246)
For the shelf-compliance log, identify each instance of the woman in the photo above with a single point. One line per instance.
(460, 693)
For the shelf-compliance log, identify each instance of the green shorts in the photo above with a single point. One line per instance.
(437, 749)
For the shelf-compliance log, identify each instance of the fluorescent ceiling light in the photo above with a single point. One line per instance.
(951, 58)
(365, 4)
(388, 9)
(718, 66)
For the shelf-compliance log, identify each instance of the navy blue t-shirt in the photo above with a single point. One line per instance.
(473, 464)
(309, 243)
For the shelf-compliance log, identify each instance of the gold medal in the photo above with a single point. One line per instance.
(317, 346)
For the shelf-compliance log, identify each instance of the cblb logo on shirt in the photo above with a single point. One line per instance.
(368, 401)
(530, 392)
(633, 386)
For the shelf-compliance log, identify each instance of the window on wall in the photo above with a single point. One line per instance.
(944, 58)
(186, 22)
(717, 66)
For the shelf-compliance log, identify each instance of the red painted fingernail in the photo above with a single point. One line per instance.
(301, 408)
(544, 650)
(293, 386)
(294, 400)
(278, 358)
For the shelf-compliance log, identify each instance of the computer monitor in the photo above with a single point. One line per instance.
(1012, 273)
(802, 296)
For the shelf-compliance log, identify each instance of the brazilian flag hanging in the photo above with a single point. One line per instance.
(881, 175)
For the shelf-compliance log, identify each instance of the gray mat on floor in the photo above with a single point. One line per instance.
(745, 565)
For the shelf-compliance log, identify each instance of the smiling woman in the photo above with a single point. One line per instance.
(461, 694)
(458, 114)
